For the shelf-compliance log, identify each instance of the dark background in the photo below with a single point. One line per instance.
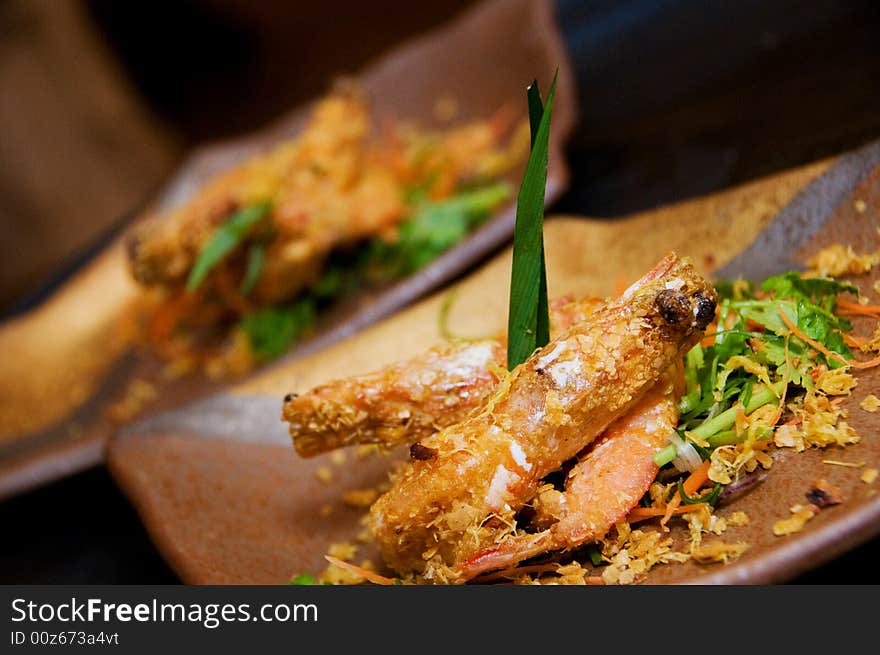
(677, 99)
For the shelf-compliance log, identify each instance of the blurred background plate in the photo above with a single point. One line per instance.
(226, 499)
(68, 358)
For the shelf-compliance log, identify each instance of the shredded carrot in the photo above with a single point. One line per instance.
(695, 480)
(644, 513)
(812, 342)
(670, 510)
(871, 363)
(711, 330)
(779, 409)
(510, 573)
(822, 349)
(854, 341)
(849, 308)
(366, 574)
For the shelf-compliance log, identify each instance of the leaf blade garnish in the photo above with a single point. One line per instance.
(525, 330)
(542, 328)
(536, 109)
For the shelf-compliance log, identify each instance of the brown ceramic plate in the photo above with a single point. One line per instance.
(65, 361)
(226, 499)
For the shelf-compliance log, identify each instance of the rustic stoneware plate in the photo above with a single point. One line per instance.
(226, 499)
(67, 360)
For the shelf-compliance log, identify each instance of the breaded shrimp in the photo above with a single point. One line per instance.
(401, 403)
(313, 183)
(332, 186)
(412, 399)
(605, 484)
(461, 495)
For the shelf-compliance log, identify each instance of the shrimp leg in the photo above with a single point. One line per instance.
(601, 489)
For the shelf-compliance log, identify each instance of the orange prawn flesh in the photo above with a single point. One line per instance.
(605, 484)
(462, 493)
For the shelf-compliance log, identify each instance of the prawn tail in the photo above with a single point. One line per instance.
(507, 554)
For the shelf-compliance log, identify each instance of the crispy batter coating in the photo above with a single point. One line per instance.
(606, 483)
(335, 184)
(398, 404)
(408, 400)
(315, 185)
(442, 511)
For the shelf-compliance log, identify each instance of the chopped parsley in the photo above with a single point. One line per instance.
(273, 329)
(433, 228)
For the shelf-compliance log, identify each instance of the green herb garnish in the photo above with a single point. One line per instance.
(711, 497)
(759, 355)
(271, 331)
(821, 291)
(434, 228)
(528, 315)
(306, 579)
(227, 237)
(256, 261)
(303, 579)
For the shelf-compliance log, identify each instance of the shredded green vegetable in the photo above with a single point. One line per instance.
(755, 359)
(665, 455)
(273, 329)
(711, 497)
(304, 579)
(307, 580)
(226, 239)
